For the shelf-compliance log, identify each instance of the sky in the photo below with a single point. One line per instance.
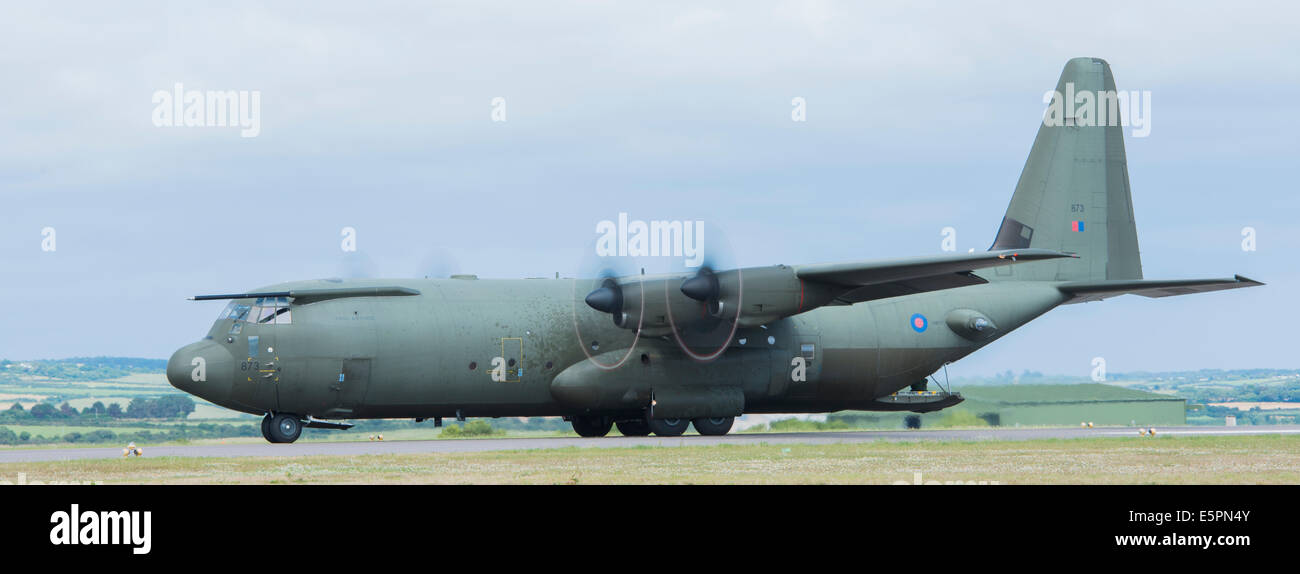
(381, 117)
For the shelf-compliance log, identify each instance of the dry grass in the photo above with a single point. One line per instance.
(1164, 460)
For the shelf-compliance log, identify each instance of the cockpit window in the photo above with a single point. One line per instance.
(234, 311)
(272, 311)
(265, 314)
(263, 311)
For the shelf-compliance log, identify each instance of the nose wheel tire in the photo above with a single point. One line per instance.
(633, 428)
(284, 428)
(714, 426)
(592, 426)
(668, 427)
(266, 428)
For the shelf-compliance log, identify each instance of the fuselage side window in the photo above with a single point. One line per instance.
(808, 351)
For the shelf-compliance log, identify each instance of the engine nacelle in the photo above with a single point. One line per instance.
(757, 295)
(746, 297)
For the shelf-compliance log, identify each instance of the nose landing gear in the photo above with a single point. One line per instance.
(281, 428)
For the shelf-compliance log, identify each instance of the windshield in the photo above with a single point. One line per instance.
(264, 311)
(234, 311)
(271, 310)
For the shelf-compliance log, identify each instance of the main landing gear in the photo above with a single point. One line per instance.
(635, 427)
(281, 428)
(592, 426)
(669, 427)
(598, 426)
(713, 426)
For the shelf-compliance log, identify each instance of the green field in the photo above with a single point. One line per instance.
(1165, 460)
(28, 389)
(60, 430)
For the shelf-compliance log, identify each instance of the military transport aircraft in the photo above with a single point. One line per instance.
(656, 354)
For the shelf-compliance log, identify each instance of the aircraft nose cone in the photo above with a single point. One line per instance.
(203, 369)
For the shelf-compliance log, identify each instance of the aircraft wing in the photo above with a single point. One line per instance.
(1083, 291)
(884, 278)
(757, 295)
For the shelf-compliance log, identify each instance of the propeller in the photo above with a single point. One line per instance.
(713, 285)
(356, 265)
(438, 263)
(603, 293)
(596, 294)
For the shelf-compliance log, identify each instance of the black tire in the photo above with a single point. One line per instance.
(636, 427)
(912, 421)
(285, 428)
(669, 427)
(266, 428)
(592, 426)
(714, 426)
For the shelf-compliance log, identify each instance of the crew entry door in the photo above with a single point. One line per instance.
(255, 332)
(269, 315)
(354, 379)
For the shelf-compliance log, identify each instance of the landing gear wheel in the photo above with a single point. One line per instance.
(285, 428)
(633, 428)
(592, 426)
(713, 426)
(266, 428)
(669, 427)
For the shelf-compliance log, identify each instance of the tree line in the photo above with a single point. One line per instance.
(164, 407)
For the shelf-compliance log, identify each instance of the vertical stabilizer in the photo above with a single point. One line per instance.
(1073, 194)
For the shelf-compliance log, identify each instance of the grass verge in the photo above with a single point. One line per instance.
(1163, 460)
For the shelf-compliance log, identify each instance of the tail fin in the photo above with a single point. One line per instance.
(1073, 194)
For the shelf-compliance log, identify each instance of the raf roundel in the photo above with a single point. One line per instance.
(919, 323)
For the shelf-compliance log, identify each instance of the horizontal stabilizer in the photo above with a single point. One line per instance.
(304, 296)
(1082, 291)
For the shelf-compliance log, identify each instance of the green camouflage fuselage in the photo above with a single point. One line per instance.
(812, 338)
(432, 355)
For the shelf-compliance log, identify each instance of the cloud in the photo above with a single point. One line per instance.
(378, 117)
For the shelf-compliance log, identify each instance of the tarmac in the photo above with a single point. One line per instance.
(354, 448)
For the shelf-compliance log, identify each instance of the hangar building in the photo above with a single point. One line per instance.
(1101, 404)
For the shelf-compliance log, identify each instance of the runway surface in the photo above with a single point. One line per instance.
(483, 445)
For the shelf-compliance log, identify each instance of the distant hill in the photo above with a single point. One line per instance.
(1154, 377)
(81, 368)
